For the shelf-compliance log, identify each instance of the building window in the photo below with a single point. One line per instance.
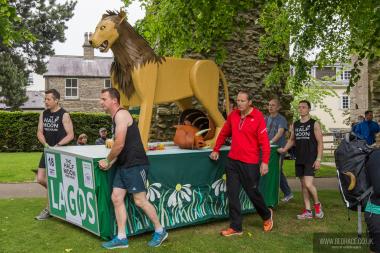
(107, 83)
(345, 102)
(326, 73)
(30, 80)
(346, 75)
(71, 89)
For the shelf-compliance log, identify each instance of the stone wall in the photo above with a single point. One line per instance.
(242, 69)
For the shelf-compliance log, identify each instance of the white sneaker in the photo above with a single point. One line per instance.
(287, 198)
(44, 215)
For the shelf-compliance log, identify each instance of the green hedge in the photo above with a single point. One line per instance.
(18, 130)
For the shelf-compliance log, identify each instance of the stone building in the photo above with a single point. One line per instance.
(335, 77)
(79, 79)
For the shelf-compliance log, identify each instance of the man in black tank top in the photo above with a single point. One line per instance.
(307, 137)
(132, 165)
(55, 128)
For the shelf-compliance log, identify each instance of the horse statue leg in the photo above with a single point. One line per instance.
(204, 81)
(145, 82)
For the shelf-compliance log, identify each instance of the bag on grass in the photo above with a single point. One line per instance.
(350, 159)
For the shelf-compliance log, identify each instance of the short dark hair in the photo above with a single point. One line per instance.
(54, 92)
(114, 93)
(249, 95)
(368, 112)
(305, 102)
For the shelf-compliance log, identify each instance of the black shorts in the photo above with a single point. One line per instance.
(304, 170)
(373, 227)
(132, 179)
(42, 161)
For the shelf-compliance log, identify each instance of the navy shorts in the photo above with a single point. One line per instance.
(132, 179)
(42, 162)
(304, 170)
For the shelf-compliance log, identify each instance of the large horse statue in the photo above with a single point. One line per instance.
(145, 79)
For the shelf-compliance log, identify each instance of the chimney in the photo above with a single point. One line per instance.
(88, 50)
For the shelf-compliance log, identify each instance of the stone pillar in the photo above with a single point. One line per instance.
(360, 93)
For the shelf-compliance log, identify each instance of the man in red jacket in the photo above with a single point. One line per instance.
(247, 127)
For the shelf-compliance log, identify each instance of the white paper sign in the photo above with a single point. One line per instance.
(51, 166)
(87, 175)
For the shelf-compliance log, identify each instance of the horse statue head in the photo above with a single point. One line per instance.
(130, 50)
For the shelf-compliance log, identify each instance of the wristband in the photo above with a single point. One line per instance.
(46, 145)
(107, 162)
(318, 159)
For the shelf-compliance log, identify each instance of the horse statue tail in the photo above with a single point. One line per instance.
(225, 87)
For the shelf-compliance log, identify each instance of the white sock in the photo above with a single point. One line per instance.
(159, 230)
(121, 235)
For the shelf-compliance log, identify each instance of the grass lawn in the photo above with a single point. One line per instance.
(16, 167)
(324, 171)
(19, 232)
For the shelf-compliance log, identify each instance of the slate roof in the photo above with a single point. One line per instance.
(66, 65)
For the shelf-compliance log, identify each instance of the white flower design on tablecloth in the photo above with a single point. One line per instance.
(181, 192)
(152, 190)
(220, 185)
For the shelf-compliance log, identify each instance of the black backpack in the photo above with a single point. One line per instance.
(350, 159)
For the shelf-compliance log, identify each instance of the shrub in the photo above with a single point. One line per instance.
(18, 130)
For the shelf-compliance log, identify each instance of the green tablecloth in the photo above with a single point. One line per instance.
(185, 186)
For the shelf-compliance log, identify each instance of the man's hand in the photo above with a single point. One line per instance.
(317, 165)
(104, 164)
(281, 151)
(264, 169)
(214, 155)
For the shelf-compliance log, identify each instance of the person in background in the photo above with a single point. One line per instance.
(277, 127)
(55, 128)
(367, 129)
(103, 136)
(246, 126)
(307, 136)
(82, 139)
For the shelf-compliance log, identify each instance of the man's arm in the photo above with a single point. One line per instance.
(224, 133)
(278, 135)
(40, 131)
(289, 143)
(263, 139)
(319, 137)
(68, 126)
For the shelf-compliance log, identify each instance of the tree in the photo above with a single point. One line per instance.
(28, 35)
(176, 27)
(12, 83)
(334, 29)
(9, 33)
(46, 21)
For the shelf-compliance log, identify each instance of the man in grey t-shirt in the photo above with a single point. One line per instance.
(276, 128)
